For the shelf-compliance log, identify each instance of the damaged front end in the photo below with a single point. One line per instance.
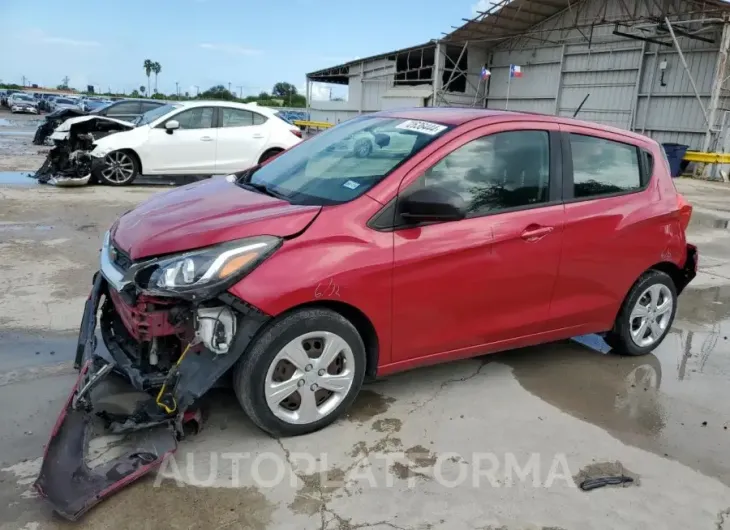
(52, 121)
(163, 353)
(69, 163)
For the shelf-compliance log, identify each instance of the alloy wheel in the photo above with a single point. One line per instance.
(119, 167)
(651, 315)
(309, 377)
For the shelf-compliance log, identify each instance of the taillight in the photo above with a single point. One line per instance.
(685, 211)
(296, 132)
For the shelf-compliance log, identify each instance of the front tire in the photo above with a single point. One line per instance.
(645, 316)
(120, 169)
(302, 373)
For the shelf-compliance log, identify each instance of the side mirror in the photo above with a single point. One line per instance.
(171, 126)
(432, 204)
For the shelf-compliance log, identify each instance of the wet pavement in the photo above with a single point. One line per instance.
(417, 448)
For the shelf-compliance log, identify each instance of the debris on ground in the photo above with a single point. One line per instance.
(604, 474)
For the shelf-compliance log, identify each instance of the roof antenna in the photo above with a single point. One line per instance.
(581, 105)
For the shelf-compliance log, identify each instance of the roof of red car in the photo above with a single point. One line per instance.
(459, 115)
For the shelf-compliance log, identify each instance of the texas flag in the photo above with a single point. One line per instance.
(486, 73)
(515, 70)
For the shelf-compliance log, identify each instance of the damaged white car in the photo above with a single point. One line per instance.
(191, 138)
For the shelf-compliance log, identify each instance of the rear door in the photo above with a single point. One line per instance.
(489, 278)
(242, 137)
(189, 150)
(611, 233)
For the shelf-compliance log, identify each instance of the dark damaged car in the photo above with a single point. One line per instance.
(465, 232)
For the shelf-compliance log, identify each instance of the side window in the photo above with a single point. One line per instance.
(602, 167)
(146, 106)
(496, 172)
(197, 118)
(236, 117)
(127, 107)
(258, 119)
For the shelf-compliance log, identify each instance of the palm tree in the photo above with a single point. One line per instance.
(156, 68)
(142, 88)
(148, 66)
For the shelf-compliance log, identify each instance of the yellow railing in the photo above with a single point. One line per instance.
(313, 124)
(707, 158)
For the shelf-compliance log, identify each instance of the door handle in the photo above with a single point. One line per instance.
(206, 138)
(258, 136)
(536, 232)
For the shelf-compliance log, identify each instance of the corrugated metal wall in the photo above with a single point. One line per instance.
(621, 75)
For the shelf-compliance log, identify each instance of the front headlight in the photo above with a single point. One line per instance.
(205, 268)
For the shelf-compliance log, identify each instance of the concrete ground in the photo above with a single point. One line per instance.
(489, 443)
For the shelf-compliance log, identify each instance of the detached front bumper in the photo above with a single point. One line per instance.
(65, 479)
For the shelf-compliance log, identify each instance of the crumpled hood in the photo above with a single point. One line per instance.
(203, 214)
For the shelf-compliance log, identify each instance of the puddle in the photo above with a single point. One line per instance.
(17, 178)
(12, 227)
(17, 133)
(5, 123)
(672, 402)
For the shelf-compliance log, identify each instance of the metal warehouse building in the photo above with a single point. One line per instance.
(653, 66)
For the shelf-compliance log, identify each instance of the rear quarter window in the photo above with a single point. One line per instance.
(604, 167)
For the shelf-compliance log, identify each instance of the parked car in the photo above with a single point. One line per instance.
(8, 92)
(89, 105)
(127, 109)
(192, 138)
(63, 102)
(22, 102)
(305, 275)
(43, 104)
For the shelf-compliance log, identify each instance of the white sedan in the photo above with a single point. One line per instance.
(191, 138)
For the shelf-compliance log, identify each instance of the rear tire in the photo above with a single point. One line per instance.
(274, 391)
(646, 315)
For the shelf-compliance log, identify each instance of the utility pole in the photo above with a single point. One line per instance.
(65, 81)
(197, 90)
(177, 88)
(24, 78)
(240, 91)
(229, 86)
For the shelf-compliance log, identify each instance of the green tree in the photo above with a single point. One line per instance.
(148, 70)
(218, 92)
(156, 68)
(142, 88)
(134, 94)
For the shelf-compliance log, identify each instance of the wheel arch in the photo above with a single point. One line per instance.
(673, 271)
(275, 150)
(362, 323)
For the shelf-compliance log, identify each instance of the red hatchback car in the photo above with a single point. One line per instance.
(391, 241)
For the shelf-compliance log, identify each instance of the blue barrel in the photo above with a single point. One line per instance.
(675, 154)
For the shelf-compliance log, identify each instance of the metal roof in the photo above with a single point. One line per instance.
(512, 18)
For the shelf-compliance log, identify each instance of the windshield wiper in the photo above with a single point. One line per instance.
(262, 188)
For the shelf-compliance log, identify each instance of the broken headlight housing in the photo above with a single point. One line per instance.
(206, 268)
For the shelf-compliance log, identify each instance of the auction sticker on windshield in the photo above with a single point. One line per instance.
(425, 127)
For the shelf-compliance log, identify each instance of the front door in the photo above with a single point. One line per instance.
(242, 137)
(487, 279)
(187, 150)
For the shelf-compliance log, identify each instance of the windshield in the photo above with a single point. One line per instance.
(23, 97)
(152, 115)
(63, 101)
(342, 163)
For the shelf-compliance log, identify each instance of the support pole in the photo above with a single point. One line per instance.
(362, 88)
(309, 99)
(456, 67)
(717, 82)
(637, 87)
(559, 89)
(651, 89)
(437, 77)
(509, 83)
(689, 73)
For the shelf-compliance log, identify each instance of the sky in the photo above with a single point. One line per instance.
(249, 44)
